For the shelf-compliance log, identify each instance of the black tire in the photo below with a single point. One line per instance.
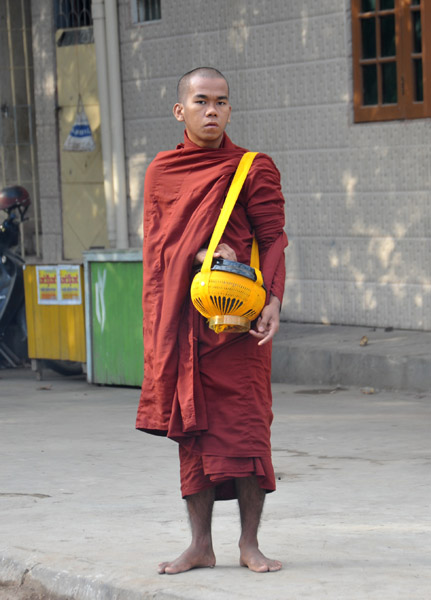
(64, 367)
(15, 337)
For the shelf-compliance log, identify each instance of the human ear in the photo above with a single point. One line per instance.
(178, 111)
(230, 112)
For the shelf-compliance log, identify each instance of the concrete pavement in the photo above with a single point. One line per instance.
(89, 506)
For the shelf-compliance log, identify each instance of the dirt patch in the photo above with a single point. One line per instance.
(34, 591)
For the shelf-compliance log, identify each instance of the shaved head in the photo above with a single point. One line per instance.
(208, 72)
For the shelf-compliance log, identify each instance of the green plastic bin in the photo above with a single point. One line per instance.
(113, 290)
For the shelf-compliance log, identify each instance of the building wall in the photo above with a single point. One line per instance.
(357, 195)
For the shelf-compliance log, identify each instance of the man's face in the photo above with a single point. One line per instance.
(205, 109)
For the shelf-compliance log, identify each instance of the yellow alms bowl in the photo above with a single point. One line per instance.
(230, 295)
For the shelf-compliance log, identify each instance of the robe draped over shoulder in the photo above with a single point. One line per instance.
(209, 392)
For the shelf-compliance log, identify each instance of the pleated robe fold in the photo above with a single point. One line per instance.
(209, 392)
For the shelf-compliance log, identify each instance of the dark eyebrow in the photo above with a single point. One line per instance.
(205, 97)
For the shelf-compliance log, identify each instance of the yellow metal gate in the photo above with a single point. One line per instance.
(83, 199)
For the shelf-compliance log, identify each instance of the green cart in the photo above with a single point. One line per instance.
(113, 293)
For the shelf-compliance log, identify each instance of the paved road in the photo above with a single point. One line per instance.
(89, 506)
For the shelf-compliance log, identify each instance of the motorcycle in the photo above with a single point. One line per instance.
(15, 201)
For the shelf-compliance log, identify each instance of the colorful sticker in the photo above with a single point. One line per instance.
(70, 284)
(59, 284)
(47, 285)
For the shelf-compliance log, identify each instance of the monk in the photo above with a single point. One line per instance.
(210, 392)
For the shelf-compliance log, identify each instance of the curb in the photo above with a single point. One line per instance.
(332, 355)
(48, 584)
(63, 585)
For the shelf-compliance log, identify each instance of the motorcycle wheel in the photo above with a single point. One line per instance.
(64, 367)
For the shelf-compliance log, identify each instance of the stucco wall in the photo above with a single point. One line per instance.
(358, 195)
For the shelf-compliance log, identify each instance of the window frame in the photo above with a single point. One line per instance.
(406, 107)
(135, 14)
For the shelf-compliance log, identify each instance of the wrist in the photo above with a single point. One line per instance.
(275, 301)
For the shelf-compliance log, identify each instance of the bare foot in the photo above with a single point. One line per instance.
(191, 558)
(253, 558)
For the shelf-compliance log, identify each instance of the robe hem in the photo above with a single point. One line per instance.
(221, 485)
(159, 432)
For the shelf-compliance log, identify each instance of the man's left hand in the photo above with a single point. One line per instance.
(268, 323)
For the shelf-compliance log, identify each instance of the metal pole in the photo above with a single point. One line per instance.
(31, 139)
(98, 13)
(13, 91)
(118, 156)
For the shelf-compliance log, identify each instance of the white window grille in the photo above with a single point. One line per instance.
(73, 13)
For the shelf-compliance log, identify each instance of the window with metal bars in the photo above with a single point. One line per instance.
(146, 10)
(391, 59)
(72, 13)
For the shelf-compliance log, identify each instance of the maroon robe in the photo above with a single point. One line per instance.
(210, 392)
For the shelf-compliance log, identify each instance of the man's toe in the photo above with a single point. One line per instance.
(162, 568)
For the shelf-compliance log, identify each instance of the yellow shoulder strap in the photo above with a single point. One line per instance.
(231, 198)
(254, 258)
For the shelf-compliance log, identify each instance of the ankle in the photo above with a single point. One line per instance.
(202, 542)
(248, 541)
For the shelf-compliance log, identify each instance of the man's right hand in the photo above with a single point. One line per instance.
(268, 323)
(222, 251)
